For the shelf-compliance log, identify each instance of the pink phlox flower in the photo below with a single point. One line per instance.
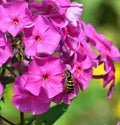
(5, 49)
(1, 90)
(42, 8)
(64, 12)
(66, 97)
(55, 10)
(3, 39)
(114, 53)
(86, 49)
(105, 47)
(78, 43)
(92, 36)
(1, 1)
(47, 74)
(66, 55)
(5, 53)
(25, 101)
(82, 71)
(70, 59)
(13, 21)
(83, 48)
(6, 1)
(36, 7)
(69, 32)
(58, 21)
(72, 37)
(51, 9)
(25, 65)
(108, 54)
(109, 77)
(73, 12)
(40, 38)
(58, 5)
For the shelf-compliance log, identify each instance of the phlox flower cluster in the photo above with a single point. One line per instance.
(51, 48)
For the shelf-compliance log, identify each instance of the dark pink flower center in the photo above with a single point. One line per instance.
(45, 77)
(37, 38)
(15, 21)
(78, 69)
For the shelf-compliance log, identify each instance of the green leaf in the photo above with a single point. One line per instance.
(51, 116)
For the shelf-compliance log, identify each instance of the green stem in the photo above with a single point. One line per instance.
(21, 118)
(3, 72)
(21, 58)
(0, 115)
(8, 68)
(6, 120)
(31, 120)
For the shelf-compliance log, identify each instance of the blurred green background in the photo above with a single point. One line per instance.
(91, 107)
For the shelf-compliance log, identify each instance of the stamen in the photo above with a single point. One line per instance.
(45, 76)
(15, 21)
(37, 38)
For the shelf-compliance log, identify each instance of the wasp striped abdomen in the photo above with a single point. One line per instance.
(69, 81)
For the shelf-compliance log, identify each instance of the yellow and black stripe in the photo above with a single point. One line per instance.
(69, 81)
